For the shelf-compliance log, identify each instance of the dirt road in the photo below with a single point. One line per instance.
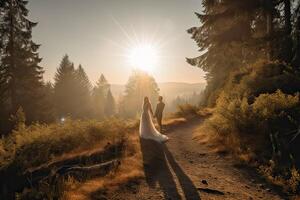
(185, 169)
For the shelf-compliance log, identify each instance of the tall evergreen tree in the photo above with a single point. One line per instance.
(64, 89)
(140, 84)
(20, 73)
(83, 89)
(225, 31)
(48, 109)
(288, 47)
(296, 36)
(72, 91)
(238, 33)
(110, 104)
(100, 92)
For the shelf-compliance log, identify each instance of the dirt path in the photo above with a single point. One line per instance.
(181, 168)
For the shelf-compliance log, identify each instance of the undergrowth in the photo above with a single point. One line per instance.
(257, 117)
(38, 145)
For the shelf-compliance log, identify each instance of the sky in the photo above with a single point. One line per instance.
(101, 34)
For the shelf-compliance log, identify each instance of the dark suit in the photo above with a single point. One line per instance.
(159, 114)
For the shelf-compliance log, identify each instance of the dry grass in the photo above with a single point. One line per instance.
(186, 111)
(288, 180)
(131, 169)
(204, 135)
(37, 146)
(47, 143)
(286, 177)
(174, 121)
(59, 142)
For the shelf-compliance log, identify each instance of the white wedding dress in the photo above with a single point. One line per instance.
(147, 128)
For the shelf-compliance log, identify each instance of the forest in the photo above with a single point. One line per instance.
(250, 53)
(70, 111)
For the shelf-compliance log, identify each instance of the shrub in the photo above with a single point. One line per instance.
(269, 113)
(258, 113)
(186, 110)
(257, 101)
(38, 144)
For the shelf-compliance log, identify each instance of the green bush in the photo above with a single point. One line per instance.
(257, 101)
(269, 113)
(258, 114)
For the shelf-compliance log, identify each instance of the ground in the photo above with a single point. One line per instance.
(186, 169)
(183, 168)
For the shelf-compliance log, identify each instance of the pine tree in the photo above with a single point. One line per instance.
(65, 91)
(140, 84)
(48, 111)
(20, 73)
(233, 34)
(83, 78)
(100, 92)
(110, 105)
(83, 89)
(296, 36)
(288, 43)
(220, 37)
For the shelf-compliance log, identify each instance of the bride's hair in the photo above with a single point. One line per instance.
(146, 100)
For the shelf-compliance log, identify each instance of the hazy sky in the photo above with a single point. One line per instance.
(99, 33)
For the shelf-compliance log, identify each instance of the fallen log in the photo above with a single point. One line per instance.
(109, 152)
(93, 170)
(13, 181)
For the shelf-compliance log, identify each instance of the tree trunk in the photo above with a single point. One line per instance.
(287, 16)
(296, 60)
(288, 45)
(269, 21)
(12, 65)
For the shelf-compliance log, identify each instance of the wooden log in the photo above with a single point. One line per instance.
(12, 181)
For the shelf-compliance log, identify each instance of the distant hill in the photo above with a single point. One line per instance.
(169, 90)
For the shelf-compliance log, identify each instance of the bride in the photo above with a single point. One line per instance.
(147, 128)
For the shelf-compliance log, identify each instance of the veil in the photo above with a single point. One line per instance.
(147, 127)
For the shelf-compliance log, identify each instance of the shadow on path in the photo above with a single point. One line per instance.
(156, 157)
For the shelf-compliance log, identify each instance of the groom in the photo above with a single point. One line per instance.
(159, 112)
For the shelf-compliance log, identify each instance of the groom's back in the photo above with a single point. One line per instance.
(160, 108)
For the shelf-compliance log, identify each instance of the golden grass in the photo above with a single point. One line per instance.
(204, 135)
(59, 142)
(131, 169)
(49, 142)
(174, 121)
(286, 178)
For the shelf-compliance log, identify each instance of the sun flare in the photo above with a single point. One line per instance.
(143, 57)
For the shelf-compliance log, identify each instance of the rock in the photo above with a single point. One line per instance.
(260, 185)
(204, 182)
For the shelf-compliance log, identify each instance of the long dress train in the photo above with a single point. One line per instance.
(147, 128)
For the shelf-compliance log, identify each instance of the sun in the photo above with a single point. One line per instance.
(143, 57)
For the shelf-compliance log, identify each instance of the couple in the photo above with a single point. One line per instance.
(147, 128)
